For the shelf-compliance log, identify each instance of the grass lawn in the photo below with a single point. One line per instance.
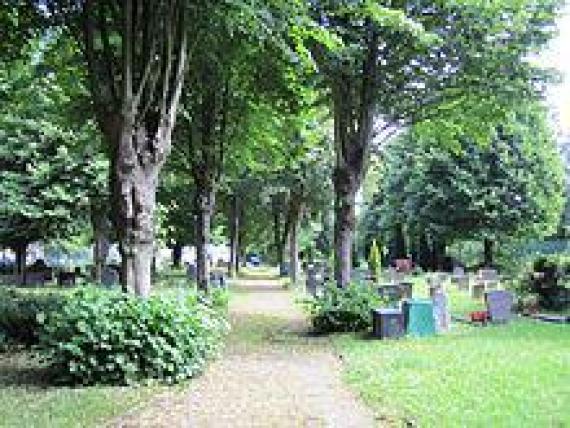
(515, 375)
(27, 400)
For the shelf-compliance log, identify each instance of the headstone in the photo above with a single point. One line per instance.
(10, 280)
(35, 279)
(390, 292)
(192, 271)
(217, 279)
(403, 265)
(491, 285)
(418, 317)
(462, 283)
(499, 305)
(66, 279)
(406, 289)
(441, 312)
(312, 281)
(109, 277)
(388, 323)
(284, 269)
(458, 271)
(488, 275)
(477, 290)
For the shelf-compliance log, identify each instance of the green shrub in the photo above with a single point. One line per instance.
(21, 311)
(343, 309)
(106, 337)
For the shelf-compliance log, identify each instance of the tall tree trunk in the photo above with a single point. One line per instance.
(400, 250)
(21, 251)
(177, 255)
(294, 248)
(488, 252)
(234, 237)
(353, 132)
(101, 229)
(204, 204)
(277, 246)
(424, 251)
(345, 221)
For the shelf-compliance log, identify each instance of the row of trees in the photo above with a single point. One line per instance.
(234, 99)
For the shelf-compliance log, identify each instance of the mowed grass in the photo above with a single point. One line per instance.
(28, 400)
(515, 375)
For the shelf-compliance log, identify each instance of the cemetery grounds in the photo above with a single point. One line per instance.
(505, 375)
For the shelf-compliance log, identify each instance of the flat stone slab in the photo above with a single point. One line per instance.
(558, 319)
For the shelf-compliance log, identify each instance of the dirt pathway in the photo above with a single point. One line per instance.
(271, 375)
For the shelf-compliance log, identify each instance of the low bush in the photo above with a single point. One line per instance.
(107, 337)
(342, 309)
(22, 311)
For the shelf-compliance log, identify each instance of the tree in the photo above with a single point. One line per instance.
(135, 54)
(405, 62)
(512, 184)
(48, 168)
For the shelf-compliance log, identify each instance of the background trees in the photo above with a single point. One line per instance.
(400, 64)
(441, 191)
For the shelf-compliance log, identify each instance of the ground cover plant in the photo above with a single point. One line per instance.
(107, 337)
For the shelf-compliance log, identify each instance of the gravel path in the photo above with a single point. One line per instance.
(272, 374)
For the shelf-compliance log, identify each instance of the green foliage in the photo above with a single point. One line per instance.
(22, 313)
(103, 337)
(511, 184)
(342, 309)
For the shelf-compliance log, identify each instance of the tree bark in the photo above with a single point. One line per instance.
(204, 204)
(21, 251)
(277, 246)
(177, 255)
(345, 221)
(234, 237)
(294, 248)
(488, 252)
(101, 229)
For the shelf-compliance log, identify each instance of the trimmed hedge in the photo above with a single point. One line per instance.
(108, 337)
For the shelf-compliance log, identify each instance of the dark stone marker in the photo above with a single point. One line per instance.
(499, 305)
(66, 279)
(35, 278)
(192, 272)
(441, 312)
(388, 323)
(312, 280)
(406, 289)
(284, 269)
(109, 277)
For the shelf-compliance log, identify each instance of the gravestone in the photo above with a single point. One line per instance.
(192, 271)
(34, 279)
(388, 323)
(418, 317)
(477, 290)
(284, 269)
(109, 277)
(499, 305)
(66, 279)
(313, 279)
(10, 279)
(217, 279)
(390, 292)
(488, 274)
(403, 265)
(406, 289)
(458, 271)
(491, 284)
(462, 283)
(441, 314)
